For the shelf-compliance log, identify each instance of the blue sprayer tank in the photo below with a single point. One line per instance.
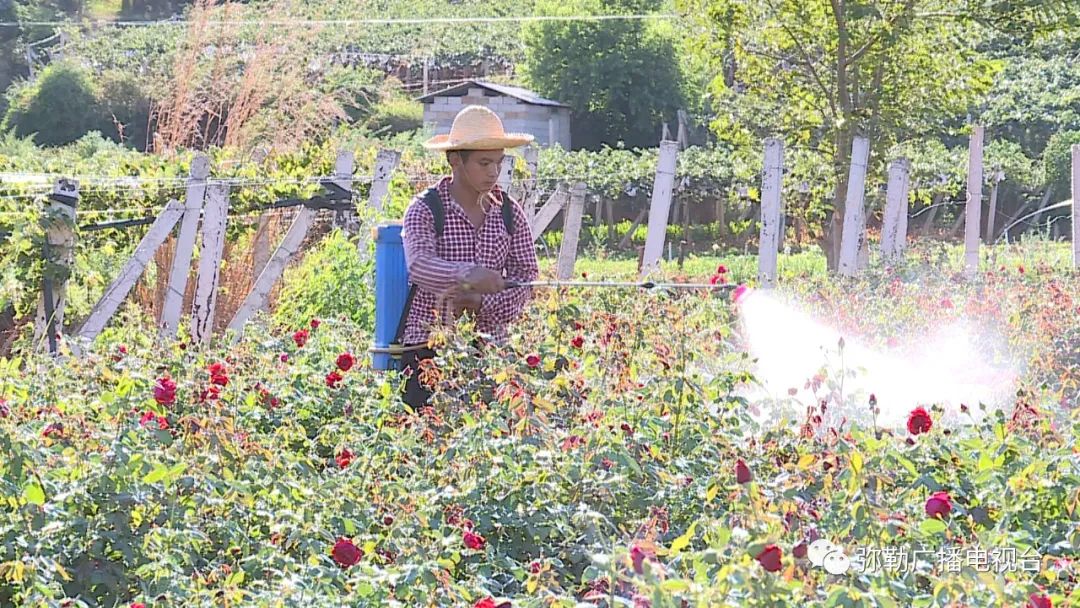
(391, 290)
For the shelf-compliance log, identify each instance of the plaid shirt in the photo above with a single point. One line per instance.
(437, 264)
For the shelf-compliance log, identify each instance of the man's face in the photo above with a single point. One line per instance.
(481, 167)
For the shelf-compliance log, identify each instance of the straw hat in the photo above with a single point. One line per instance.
(477, 128)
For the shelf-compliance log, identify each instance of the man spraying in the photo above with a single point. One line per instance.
(462, 239)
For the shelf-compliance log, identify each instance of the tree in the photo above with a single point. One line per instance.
(58, 108)
(621, 77)
(819, 72)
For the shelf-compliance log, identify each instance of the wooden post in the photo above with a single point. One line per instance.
(854, 233)
(629, 236)
(527, 190)
(974, 201)
(991, 216)
(185, 244)
(894, 230)
(344, 164)
(385, 163)
(660, 206)
(506, 173)
(548, 212)
(427, 62)
(571, 231)
(683, 132)
(58, 255)
(1076, 205)
(213, 245)
(771, 183)
(257, 298)
(260, 246)
(721, 212)
(598, 212)
(116, 292)
(609, 210)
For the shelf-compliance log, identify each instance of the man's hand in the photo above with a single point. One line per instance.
(482, 280)
(467, 301)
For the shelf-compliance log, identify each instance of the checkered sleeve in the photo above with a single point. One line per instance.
(426, 268)
(498, 309)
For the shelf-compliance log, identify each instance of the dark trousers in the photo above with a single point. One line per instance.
(416, 395)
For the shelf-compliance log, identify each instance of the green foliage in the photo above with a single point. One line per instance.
(333, 280)
(59, 107)
(1037, 93)
(622, 78)
(357, 90)
(396, 114)
(125, 107)
(1057, 162)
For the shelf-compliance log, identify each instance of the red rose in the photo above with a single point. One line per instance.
(919, 421)
(721, 269)
(284, 357)
(346, 553)
(535, 567)
(149, 417)
(742, 472)
(165, 391)
(532, 360)
(344, 458)
(315, 324)
(209, 393)
(938, 505)
(800, 550)
(578, 341)
(345, 361)
(1040, 601)
(473, 540)
(1020, 268)
(218, 374)
(300, 337)
(769, 558)
(718, 278)
(388, 520)
(638, 557)
(56, 429)
(333, 378)
(4, 411)
(137, 605)
(487, 602)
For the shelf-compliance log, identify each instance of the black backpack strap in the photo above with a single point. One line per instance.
(438, 211)
(400, 333)
(508, 214)
(434, 202)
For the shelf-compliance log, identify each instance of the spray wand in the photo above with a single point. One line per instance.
(617, 284)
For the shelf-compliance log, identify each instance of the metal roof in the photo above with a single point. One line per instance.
(524, 95)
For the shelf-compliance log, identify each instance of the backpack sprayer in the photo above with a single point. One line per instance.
(393, 294)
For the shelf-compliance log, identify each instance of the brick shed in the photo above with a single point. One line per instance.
(521, 110)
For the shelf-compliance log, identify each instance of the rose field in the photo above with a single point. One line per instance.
(623, 450)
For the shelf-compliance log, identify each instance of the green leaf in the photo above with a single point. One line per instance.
(675, 585)
(683, 541)
(34, 494)
(856, 462)
(985, 462)
(156, 475)
(932, 526)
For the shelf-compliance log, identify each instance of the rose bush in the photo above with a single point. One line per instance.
(603, 457)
